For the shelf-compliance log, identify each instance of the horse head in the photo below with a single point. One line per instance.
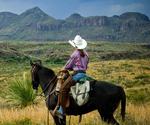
(35, 67)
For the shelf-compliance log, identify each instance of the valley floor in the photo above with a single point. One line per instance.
(133, 74)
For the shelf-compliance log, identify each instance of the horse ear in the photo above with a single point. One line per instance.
(40, 62)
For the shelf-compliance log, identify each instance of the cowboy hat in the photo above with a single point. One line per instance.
(78, 42)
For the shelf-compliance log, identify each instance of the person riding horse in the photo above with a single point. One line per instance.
(104, 96)
(78, 63)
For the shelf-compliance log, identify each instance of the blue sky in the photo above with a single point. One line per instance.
(60, 9)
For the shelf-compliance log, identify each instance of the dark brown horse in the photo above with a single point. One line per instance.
(104, 97)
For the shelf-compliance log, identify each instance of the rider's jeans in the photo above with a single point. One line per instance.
(78, 76)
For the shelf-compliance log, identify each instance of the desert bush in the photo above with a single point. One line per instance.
(142, 76)
(145, 67)
(138, 96)
(20, 92)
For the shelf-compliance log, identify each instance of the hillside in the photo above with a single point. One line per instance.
(54, 52)
(34, 24)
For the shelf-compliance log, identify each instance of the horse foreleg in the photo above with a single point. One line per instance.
(56, 107)
(59, 121)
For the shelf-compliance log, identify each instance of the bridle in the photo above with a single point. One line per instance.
(52, 90)
(33, 71)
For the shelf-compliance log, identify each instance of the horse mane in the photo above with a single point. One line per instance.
(44, 70)
(48, 70)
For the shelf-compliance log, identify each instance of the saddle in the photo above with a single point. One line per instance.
(79, 90)
(64, 92)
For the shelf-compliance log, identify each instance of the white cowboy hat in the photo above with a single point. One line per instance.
(78, 42)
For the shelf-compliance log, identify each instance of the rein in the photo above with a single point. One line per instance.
(51, 90)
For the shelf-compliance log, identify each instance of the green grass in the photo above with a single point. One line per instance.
(19, 122)
(143, 76)
(138, 96)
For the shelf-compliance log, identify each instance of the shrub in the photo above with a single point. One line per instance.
(138, 96)
(20, 92)
(142, 76)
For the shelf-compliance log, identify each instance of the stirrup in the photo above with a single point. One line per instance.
(61, 116)
(54, 111)
(57, 113)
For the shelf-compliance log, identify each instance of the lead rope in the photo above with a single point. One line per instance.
(47, 116)
(47, 86)
(69, 119)
(80, 118)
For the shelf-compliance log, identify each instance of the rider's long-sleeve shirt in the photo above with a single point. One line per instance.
(77, 62)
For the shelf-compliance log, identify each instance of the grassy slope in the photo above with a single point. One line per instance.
(132, 74)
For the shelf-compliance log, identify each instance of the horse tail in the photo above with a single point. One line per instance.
(123, 104)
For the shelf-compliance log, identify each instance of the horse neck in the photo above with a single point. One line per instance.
(48, 81)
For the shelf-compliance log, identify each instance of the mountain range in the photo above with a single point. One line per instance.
(34, 24)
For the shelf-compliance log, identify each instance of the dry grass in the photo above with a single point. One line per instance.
(136, 115)
(36, 114)
(140, 114)
(123, 72)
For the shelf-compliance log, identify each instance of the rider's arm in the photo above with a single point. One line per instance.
(70, 63)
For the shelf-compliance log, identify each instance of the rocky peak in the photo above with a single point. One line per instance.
(7, 15)
(134, 16)
(74, 16)
(6, 18)
(34, 17)
(35, 12)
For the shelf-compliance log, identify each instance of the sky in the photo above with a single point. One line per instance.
(61, 9)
